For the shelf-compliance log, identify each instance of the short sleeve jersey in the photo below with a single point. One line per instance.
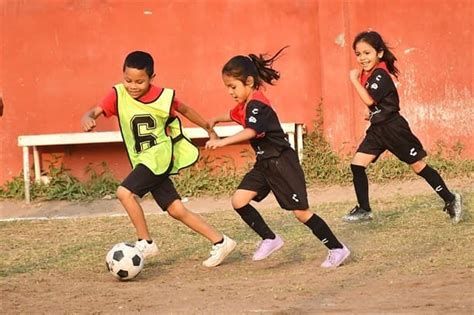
(258, 115)
(383, 91)
(109, 102)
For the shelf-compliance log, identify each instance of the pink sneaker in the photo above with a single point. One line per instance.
(336, 257)
(266, 247)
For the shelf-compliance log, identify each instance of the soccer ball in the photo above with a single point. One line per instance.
(124, 261)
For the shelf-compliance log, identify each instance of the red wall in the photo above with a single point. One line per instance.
(58, 58)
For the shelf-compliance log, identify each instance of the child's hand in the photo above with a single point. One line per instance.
(354, 74)
(88, 123)
(214, 144)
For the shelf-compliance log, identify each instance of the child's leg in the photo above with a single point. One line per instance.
(319, 228)
(168, 199)
(338, 252)
(194, 221)
(434, 179)
(134, 211)
(270, 241)
(359, 179)
(362, 211)
(453, 202)
(241, 204)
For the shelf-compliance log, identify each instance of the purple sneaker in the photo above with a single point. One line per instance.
(336, 257)
(266, 247)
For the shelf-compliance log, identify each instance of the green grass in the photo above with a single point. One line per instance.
(409, 235)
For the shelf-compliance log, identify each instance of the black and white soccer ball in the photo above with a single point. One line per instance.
(124, 261)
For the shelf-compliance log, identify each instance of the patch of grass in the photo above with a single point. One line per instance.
(407, 235)
(63, 186)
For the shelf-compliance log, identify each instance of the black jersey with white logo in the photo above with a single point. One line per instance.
(384, 93)
(270, 140)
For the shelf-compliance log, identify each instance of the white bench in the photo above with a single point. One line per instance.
(293, 130)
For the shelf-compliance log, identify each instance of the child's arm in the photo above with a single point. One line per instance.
(88, 119)
(354, 75)
(243, 135)
(222, 118)
(195, 118)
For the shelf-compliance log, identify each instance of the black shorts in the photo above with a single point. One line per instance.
(393, 135)
(283, 176)
(142, 181)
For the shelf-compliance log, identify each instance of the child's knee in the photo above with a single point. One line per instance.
(240, 199)
(177, 210)
(418, 166)
(123, 193)
(302, 215)
(238, 203)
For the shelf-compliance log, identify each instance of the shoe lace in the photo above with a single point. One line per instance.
(215, 249)
(448, 207)
(354, 210)
(140, 246)
(331, 256)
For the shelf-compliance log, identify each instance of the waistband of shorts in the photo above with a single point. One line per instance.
(389, 118)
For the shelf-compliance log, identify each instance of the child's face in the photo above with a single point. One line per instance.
(239, 91)
(367, 56)
(136, 82)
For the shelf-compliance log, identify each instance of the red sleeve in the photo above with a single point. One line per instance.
(109, 104)
(175, 106)
(237, 114)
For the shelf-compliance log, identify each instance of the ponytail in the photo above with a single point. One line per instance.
(259, 67)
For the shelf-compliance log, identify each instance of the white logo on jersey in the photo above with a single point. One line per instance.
(252, 119)
(255, 111)
(260, 151)
(439, 188)
(374, 86)
(295, 197)
(375, 112)
(378, 77)
(413, 152)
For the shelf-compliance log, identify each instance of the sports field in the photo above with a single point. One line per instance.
(410, 259)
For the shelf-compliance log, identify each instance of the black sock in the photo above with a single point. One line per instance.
(148, 241)
(253, 219)
(436, 182)
(220, 242)
(322, 231)
(361, 186)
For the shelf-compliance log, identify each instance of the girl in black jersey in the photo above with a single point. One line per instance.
(388, 129)
(277, 168)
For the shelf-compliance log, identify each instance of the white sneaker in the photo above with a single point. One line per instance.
(148, 250)
(336, 257)
(219, 252)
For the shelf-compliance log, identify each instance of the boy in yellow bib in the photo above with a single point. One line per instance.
(156, 148)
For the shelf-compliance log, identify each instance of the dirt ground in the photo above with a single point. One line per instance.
(273, 286)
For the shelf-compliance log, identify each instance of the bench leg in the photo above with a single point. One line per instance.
(26, 173)
(36, 163)
(299, 141)
(291, 139)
